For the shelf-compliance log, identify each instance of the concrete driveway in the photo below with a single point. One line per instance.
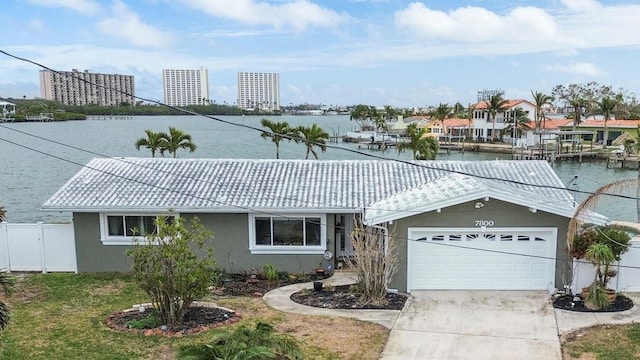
(475, 325)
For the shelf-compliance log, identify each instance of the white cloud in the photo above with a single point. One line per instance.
(297, 15)
(36, 24)
(126, 24)
(580, 68)
(86, 7)
(580, 24)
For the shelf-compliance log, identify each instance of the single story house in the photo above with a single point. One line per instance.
(614, 127)
(459, 224)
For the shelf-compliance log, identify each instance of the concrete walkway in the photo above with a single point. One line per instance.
(464, 324)
(279, 299)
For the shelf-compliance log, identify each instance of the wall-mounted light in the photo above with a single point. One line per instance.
(479, 205)
(533, 210)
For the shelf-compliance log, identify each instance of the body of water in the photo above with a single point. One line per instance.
(37, 163)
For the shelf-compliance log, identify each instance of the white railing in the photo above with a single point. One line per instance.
(37, 247)
(627, 279)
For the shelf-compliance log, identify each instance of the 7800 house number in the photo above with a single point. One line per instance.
(484, 223)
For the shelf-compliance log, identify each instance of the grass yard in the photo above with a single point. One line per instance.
(604, 342)
(59, 316)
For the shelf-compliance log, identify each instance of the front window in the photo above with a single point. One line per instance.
(287, 234)
(119, 229)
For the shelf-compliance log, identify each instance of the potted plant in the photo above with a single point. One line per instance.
(602, 257)
(612, 243)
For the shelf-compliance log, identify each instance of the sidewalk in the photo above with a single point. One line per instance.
(279, 299)
(569, 321)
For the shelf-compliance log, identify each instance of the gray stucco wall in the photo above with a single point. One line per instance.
(230, 245)
(464, 215)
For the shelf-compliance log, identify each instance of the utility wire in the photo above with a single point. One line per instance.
(411, 163)
(292, 138)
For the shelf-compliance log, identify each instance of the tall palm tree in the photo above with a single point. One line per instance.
(313, 136)
(577, 104)
(442, 112)
(364, 116)
(606, 107)
(278, 131)
(176, 139)
(541, 99)
(153, 141)
(470, 110)
(495, 105)
(519, 116)
(422, 147)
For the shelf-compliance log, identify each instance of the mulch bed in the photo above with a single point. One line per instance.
(197, 319)
(341, 297)
(250, 288)
(565, 302)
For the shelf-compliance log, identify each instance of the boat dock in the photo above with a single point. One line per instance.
(109, 117)
(623, 160)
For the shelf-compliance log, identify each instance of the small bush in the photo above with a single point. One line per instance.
(151, 321)
(270, 272)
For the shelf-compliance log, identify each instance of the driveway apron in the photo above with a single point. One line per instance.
(475, 325)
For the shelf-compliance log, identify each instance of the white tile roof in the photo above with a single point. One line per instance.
(235, 185)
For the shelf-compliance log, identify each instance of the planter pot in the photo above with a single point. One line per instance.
(320, 273)
(292, 278)
(317, 285)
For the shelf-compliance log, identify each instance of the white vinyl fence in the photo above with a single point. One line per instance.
(627, 279)
(37, 247)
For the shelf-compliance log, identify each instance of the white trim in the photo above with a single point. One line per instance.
(106, 239)
(551, 250)
(283, 249)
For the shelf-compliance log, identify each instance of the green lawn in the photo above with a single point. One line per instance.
(604, 342)
(59, 316)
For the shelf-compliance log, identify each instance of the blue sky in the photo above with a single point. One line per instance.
(377, 52)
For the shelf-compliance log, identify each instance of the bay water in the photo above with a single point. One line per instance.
(38, 158)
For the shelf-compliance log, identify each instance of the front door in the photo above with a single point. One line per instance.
(343, 228)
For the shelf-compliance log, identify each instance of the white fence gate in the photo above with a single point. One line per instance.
(37, 247)
(627, 279)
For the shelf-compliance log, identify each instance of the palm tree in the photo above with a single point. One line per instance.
(519, 116)
(313, 136)
(442, 112)
(606, 107)
(7, 283)
(367, 117)
(577, 104)
(278, 132)
(176, 139)
(540, 99)
(470, 110)
(423, 147)
(247, 343)
(3, 214)
(153, 141)
(495, 105)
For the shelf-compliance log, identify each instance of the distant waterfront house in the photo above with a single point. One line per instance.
(459, 224)
(483, 128)
(432, 126)
(7, 110)
(616, 128)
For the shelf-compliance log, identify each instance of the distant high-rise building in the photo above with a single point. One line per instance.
(185, 87)
(259, 91)
(84, 87)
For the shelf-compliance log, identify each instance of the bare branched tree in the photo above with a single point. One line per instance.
(375, 261)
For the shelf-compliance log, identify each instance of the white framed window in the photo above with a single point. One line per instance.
(124, 229)
(287, 234)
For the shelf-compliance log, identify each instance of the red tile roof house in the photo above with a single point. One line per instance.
(459, 224)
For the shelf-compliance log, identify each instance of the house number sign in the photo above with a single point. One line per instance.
(484, 223)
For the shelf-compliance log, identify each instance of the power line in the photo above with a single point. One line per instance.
(378, 157)
(292, 138)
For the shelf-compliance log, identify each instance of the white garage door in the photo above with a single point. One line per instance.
(472, 259)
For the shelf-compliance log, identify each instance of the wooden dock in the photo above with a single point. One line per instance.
(42, 117)
(377, 145)
(623, 160)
